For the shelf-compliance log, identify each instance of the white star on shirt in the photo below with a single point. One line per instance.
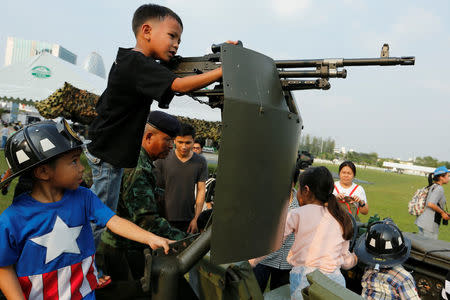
(61, 239)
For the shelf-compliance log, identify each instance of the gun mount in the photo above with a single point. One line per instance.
(253, 177)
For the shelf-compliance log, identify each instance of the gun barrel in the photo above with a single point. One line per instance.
(342, 62)
(328, 73)
(384, 61)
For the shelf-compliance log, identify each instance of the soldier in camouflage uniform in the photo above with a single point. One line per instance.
(138, 203)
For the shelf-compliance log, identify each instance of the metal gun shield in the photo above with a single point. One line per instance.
(260, 137)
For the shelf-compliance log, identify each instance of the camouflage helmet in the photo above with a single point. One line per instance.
(383, 244)
(37, 143)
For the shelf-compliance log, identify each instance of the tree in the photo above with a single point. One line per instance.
(427, 161)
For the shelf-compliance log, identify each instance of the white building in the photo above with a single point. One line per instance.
(20, 50)
(408, 168)
(94, 64)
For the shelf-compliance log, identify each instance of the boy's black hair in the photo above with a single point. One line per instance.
(152, 11)
(187, 129)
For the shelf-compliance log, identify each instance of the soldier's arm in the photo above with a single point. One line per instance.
(160, 226)
(139, 199)
(9, 284)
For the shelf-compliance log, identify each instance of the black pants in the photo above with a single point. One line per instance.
(277, 277)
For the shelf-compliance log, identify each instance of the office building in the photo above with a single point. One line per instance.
(20, 50)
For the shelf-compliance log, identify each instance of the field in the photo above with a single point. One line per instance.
(388, 196)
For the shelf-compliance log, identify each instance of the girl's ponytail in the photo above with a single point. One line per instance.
(430, 179)
(341, 216)
(320, 182)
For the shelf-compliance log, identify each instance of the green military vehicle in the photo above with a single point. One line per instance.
(252, 187)
(258, 108)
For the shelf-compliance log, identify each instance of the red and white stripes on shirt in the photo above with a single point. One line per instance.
(70, 282)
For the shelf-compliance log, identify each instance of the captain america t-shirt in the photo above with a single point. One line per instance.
(51, 244)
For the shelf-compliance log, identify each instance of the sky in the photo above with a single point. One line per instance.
(400, 112)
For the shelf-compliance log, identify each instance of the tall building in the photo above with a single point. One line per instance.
(19, 50)
(94, 64)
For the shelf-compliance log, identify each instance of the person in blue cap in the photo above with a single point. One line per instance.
(428, 222)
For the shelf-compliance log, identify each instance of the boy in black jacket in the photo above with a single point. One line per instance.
(135, 80)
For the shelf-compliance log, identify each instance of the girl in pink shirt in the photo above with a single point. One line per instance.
(322, 232)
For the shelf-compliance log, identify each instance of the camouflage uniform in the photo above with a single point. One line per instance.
(120, 257)
(137, 203)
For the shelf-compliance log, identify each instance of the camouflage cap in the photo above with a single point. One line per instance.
(164, 122)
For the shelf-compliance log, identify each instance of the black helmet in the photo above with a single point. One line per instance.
(36, 144)
(383, 244)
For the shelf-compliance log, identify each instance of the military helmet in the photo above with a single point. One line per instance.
(383, 244)
(37, 143)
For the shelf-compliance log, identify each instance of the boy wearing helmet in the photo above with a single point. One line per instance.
(384, 248)
(46, 243)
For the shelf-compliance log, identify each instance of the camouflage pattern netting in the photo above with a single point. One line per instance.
(70, 103)
(79, 106)
(205, 129)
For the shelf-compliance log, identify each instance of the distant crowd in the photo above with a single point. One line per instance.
(7, 130)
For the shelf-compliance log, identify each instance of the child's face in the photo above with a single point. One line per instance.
(68, 171)
(165, 37)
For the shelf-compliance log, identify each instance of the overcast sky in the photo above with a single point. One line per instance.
(395, 111)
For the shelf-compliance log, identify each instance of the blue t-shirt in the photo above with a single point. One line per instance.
(51, 244)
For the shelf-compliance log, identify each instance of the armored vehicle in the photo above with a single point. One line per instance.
(258, 108)
(252, 187)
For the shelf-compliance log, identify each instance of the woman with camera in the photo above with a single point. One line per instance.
(349, 194)
(428, 222)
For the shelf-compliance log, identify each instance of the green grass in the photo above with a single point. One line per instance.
(388, 196)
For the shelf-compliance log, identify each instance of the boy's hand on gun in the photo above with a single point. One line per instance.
(156, 242)
(133, 232)
(232, 42)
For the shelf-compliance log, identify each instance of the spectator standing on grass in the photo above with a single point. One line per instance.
(349, 194)
(5, 134)
(428, 222)
(179, 174)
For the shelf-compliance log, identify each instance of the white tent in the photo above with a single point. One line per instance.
(41, 75)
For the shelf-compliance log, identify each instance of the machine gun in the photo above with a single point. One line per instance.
(253, 187)
(322, 69)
